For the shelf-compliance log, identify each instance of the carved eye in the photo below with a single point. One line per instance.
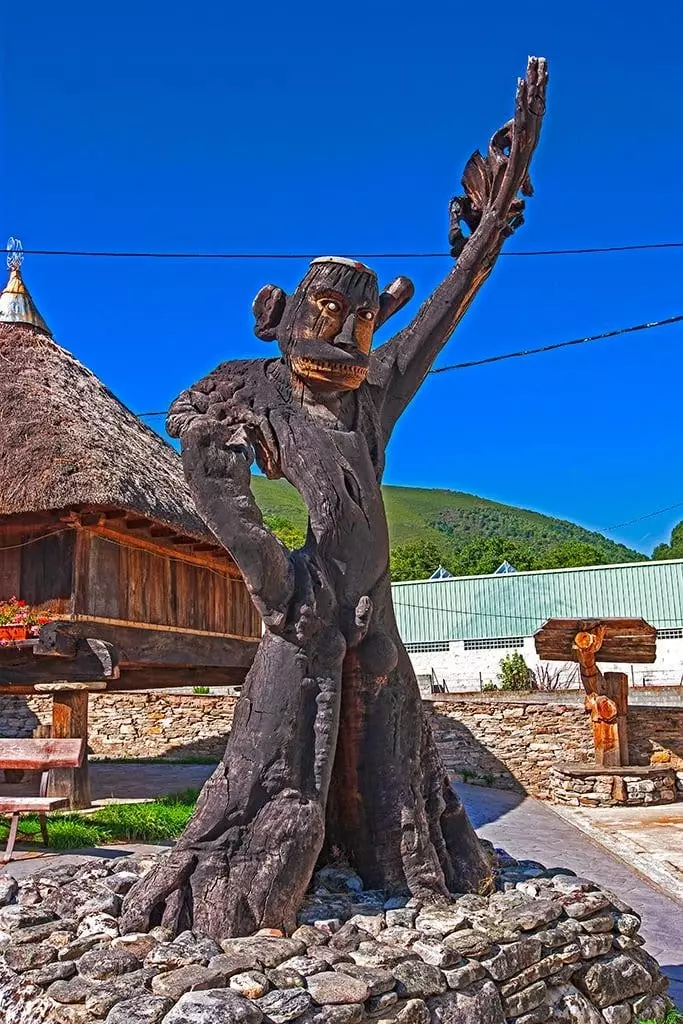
(331, 306)
(366, 314)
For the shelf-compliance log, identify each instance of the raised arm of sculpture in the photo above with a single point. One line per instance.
(491, 209)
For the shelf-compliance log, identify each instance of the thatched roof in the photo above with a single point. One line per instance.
(66, 440)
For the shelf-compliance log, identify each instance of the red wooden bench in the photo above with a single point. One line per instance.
(36, 756)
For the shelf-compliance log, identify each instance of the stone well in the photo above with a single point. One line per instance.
(545, 946)
(591, 786)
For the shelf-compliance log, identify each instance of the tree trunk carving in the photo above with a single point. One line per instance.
(330, 753)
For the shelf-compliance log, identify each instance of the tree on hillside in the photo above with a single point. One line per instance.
(675, 548)
(416, 560)
(485, 554)
(571, 553)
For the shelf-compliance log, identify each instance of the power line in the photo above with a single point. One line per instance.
(648, 515)
(364, 255)
(523, 352)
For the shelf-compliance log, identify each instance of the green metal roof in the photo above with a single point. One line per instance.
(517, 604)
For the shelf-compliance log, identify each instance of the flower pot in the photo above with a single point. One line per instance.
(14, 633)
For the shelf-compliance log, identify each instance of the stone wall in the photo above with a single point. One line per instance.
(506, 743)
(581, 786)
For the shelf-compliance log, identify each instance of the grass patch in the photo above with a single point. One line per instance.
(152, 822)
(672, 1017)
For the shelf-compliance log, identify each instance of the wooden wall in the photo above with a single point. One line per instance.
(135, 585)
(38, 569)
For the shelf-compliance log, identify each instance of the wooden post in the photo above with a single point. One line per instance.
(70, 721)
(617, 690)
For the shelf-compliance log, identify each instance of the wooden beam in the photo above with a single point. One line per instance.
(21, 666)
(215, 557)
(70, 721)
(160, 531)
(164, 647)
(136, 524)
(39, 755)
(625, 641)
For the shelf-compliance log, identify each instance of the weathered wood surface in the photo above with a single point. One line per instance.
(39, 755)
(629, 641)
(31, 804)
(23, 665)
(70, 721)
(320, 415)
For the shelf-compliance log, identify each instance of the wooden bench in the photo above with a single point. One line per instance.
(36, 756)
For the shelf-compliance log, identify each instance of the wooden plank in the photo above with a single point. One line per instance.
(70, 720)
(47, 570)
(31, 804)
(37, 755)
(22, 666)
(10, 569)
(149, 646)
(217, 558)
(627, 641)
(153, 677)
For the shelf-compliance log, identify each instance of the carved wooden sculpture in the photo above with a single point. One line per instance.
(330, 750)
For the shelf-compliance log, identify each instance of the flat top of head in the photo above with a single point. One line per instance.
(345, 261)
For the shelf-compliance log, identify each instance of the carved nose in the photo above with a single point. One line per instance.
(345, 338)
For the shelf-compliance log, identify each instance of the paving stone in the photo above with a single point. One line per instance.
(478, 1004)
(334, 987)
(613, 979)
(417, 979)
(139, 1010)
(215, 1006)
(282, 1005)
(191, 978)
(513, 958)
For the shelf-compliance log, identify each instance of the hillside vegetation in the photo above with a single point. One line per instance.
(464, 533)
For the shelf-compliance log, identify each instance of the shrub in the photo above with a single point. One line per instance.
(515, 674)
(201, 689)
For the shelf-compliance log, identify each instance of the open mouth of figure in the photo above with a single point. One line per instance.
(324, 371)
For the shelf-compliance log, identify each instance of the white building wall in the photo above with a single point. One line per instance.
(460, 670)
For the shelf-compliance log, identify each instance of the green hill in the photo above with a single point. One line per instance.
(466, 533)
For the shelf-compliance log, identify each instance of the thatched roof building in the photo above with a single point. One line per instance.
(96, 521)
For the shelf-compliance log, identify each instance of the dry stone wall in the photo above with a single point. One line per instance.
(506, 743)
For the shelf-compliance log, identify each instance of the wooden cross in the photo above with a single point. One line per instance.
(619, 640)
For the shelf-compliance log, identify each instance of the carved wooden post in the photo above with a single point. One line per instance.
(617, 690)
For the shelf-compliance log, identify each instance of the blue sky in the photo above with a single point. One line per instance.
(319, 128)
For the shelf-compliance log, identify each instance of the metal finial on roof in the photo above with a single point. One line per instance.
(15, 253)
(16, 303)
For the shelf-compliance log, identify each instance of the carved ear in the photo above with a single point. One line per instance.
(268, 307)
(394, 297)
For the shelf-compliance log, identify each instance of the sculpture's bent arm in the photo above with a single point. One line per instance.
(217, 460)
(492, 209)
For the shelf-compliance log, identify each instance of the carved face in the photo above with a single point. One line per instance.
(325, 327)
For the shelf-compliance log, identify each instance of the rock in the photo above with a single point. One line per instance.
(185, 950)
(653, 1009)
(510, 959)
(8, 890)
(192, 978)
(36, 933)
(549, 965)
(379, 980)
(537, 1016)
(139, 1010)
(440, 921)
(269, 952)
(413, 1011)
(350, 1014)
(106, 995)
(72, 990)
(338, 880)
(305, 965)
(250, 984)
(310, 936)
(478, 1004)
(468, 942)
(333, 987)
(328, 956)
(16, 916)
(282, 1005)
(612, 980)
(284, 977)
(594, 945)
(54, 971)
(121, 882)
(347, 938)
(571, 1006)
(107, 963)
(30, 956)
(404, 917)
(580, 905)
(432, 951)
(376, 1006)
(464, 975)
(60, 938)
(565, 931)
(534, 913)
(328, 925)
(62, 1014)
(598, 923)
(620, 1013)
(568, 883)
(215, 1006)
(103, 903)
(415, 978)
(137, 943)
(397, 935)
(525, 1000)
(627, 924)
(74, 950)
(377, 954)
(231, 965)
(368, 922)
(98, 924)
